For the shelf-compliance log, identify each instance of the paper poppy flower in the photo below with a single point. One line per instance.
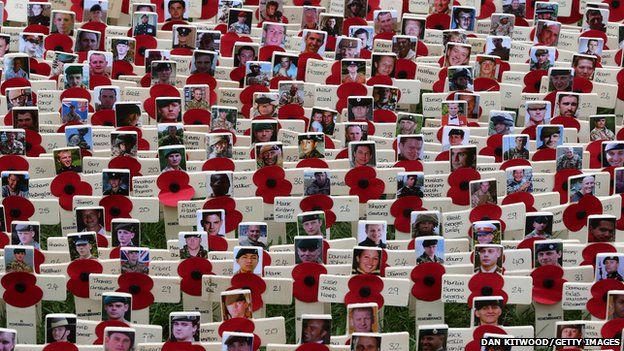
(595, 153)
(439, 21)
(533, 81)
(252, 282)
(240, 325)
(140, 286)
(13, 163)
(320, 202)
(410, 165)
(575, 215)
(544, 155)
(219, 164)
(363, 182)
(514, 163)
(612, 329)
(312, 163)
(122, 67)
(115, 206)
(561, 183)
(487, 212)
(478, 334)
(78, 272)
(306, 281)
(143, 42)
(384, 116)
(459, 181)
(427, 278)
(365, 288)
(129, 163)
(486, 284)
(487, 9)
(191, 271)
(405, 69)
(174, 186)
(99, 329)
(311, 346)
(597, 305)
(521, 197)
(58, 42)
(17, 208)
(547, 284)
(181, 346)
(270, 182)
(401, 210)
(303, 62)
(60, 346)
(33, 144)
(67, 185)
(20, 289)
(232, 216)
(494, 147)
(591, 250)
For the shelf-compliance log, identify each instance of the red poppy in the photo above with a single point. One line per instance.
(191, 271)
(575, 215)
(561, 183)
(595, 153)
(547, 284)
(311, 346)
(60, 346)
(514, 163)
(115, 206)
(487, 9)
(99, 329)
(459, 181)
(533, 81)
(487, 212)
(13, 163)
(521, 197)
(384, 116)
(401, 210)
(379, 80)
(410, 165)
(58, 42)
(494, 147)
(544, 155)
(486, 284)
(20, 289)
(140, 286)
(529, 243)
(303, 62)
(363, 182)
(232, 216)
(181, 346)
(129, 163)
(405, 69)
(440, 21)
(312, 163)
(143, 42)
(365, 288)
(17, 208)
(591, 250)
(271, 182)
(67, 185)
(427, 278)
(252, 282)
(103, 118)
(306, 281)
(40, 68)
(228, 40)
(33, 144)
(174, 186)
(478, 334)
(219, 164)
(240, 325)
(612, 329)
(320, 203)
(78, 272)
(122, 67)
(597, 305)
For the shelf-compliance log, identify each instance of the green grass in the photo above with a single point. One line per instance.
(395, 319)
